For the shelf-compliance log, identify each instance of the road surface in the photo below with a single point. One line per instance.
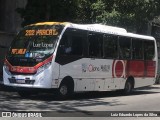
(144, 99)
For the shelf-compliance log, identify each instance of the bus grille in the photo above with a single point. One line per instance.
(22, 81)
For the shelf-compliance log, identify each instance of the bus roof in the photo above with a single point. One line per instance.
(110, 30)
(97, 28)
(49, 23)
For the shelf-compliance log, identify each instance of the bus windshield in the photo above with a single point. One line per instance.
(34, 42)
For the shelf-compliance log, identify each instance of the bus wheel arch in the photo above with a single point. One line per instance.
(129, 85)
(66, 87)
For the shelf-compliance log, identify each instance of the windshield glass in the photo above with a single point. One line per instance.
(34, 43)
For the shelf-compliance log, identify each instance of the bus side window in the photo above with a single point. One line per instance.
(95, 45)
(71, 44)
(137, 49)
(149, 50)
(124, 48)
(110, 46)
(77, 45)
(63, 45)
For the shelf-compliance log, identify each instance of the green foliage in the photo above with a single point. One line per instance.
(48, 10)
(133, 15)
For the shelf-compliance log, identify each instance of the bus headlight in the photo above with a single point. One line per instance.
(43, 67)
(6, 68)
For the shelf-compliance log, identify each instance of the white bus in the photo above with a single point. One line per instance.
(70, 58)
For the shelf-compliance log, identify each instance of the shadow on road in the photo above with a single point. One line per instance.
(78, 96)
(11, 101)
(96, 95)
(150, 87)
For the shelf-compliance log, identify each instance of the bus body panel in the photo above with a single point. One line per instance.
(106, 75)
(141, 82)
(88, 74)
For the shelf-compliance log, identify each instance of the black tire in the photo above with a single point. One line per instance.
(65, 91)
(24, 94)
(128, 87)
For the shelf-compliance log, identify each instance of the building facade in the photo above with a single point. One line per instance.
(10, 24)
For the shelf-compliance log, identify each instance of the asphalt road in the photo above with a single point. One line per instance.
(144, 99)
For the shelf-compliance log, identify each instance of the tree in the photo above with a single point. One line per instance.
(133, 15)
(48, 10)
(84, 11)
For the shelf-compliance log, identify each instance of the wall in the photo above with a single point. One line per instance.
(10, 24)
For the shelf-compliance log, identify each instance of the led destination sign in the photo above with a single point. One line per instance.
(40, 32)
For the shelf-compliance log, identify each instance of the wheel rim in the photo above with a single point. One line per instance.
(128, 87)
(63, 90)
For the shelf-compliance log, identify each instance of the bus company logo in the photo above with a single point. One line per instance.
(89, 68)
(105, 68)
(118, 69)
(21, 70)
(92, 68)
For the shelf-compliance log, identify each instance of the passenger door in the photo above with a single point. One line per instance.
(70, 53)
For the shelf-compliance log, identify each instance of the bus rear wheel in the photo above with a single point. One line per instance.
(128, 87)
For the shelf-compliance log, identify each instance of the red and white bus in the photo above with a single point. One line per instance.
(71, 58)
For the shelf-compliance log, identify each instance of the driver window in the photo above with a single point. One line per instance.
(71, 43)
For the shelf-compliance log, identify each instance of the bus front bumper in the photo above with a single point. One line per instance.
(41, 80)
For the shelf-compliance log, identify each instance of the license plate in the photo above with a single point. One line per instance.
(20, 81)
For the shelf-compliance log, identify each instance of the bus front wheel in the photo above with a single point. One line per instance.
(65, 90)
